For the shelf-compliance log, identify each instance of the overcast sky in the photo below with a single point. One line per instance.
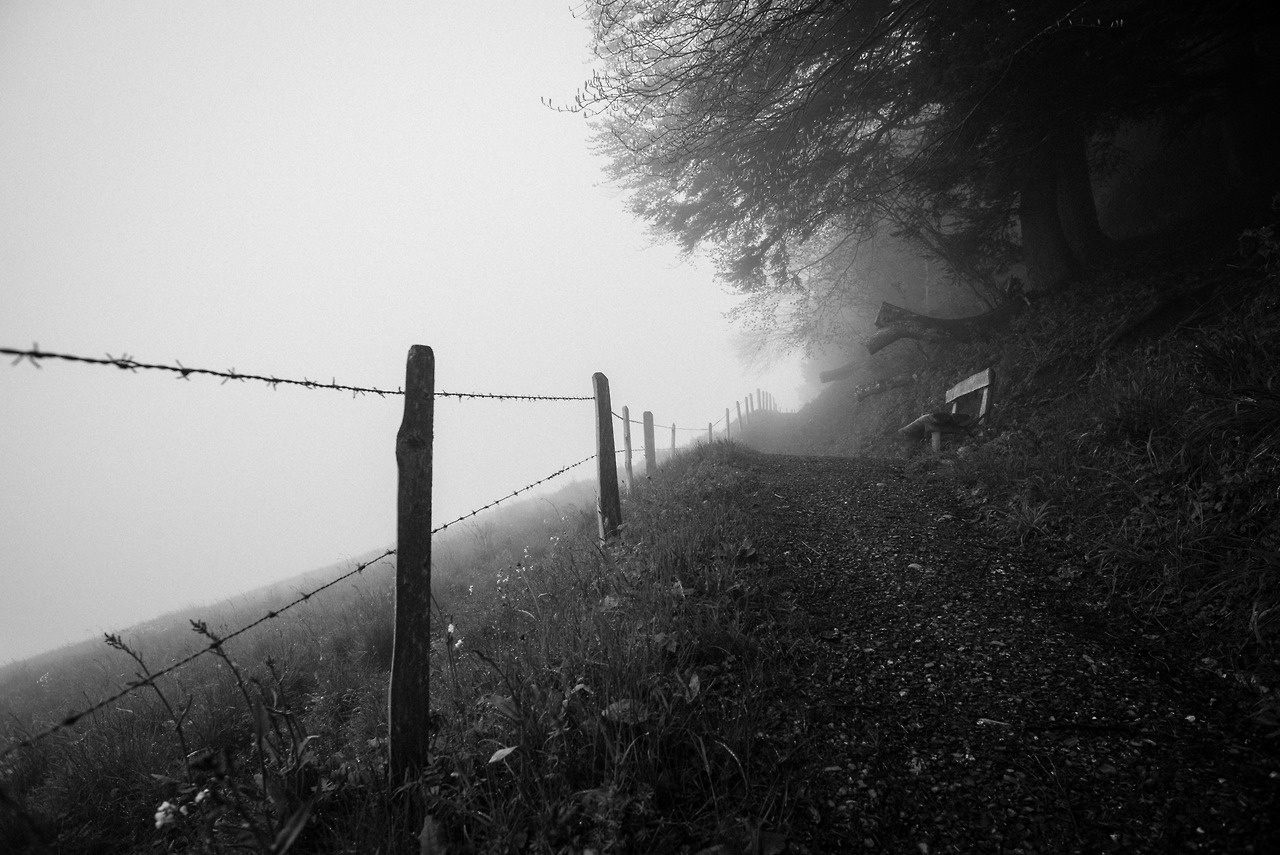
(302, 189)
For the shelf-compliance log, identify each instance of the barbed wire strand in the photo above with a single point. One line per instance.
(512, 494)
(667, 427)
(128, 363)
(72, 718)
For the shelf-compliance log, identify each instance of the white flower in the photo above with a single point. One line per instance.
(450, 629)
(166, 815)
(202, 795)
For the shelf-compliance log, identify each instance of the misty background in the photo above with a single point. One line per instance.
(304, 190)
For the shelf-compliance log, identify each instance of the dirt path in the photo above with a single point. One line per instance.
(951, 697)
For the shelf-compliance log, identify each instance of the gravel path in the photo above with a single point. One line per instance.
(952, 697)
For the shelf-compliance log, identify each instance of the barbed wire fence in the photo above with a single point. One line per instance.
(413, 752)
(72, 718)
(127, 363)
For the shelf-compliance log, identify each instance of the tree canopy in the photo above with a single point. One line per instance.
(771, 131)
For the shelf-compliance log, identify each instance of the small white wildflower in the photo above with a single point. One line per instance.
(457, 644)
(166, 814)
(471, 589)
(450, 629)
(202, 795)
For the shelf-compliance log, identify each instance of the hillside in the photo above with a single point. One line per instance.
(1058, 636)
(1133, 429)
(949, 691)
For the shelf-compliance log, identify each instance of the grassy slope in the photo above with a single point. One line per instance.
(1148, 470)
(1151, 466)
(581, 697)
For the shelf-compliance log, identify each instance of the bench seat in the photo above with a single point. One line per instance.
(951, 421)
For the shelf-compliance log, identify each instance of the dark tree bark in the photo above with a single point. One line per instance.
(896, 323)
(833, 374)
(1048, 256)
(1077, 208)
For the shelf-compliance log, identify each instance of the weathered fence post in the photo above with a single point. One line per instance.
(409, 701)
(673, 439)
(726, 424)
(738, 406)
(710, 436)
(609, 511)
(626, 445)
(650, 453)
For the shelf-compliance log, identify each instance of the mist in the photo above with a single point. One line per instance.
(304, 190)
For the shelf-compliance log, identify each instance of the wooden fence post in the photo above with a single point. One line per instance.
(626, 445)
(609, 511)
(726, 424)
(710, 436)
(673, 439)
(738, 405)
(409, 701)
(650, 453)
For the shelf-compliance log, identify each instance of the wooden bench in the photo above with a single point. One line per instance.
(953, 421)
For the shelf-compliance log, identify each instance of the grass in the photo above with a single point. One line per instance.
(610, 699)
(1151, 465)
(583, 698)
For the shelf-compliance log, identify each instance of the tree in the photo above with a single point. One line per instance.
(766, 130)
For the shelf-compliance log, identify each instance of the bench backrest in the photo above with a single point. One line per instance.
(980, 382)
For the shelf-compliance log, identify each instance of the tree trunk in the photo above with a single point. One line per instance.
(1077, 208)
(1049, 259)
(896, 322)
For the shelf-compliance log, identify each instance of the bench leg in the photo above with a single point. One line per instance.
(936, 440)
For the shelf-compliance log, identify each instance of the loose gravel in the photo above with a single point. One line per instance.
(950, 693)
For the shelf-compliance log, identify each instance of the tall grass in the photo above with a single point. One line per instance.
(582, 696)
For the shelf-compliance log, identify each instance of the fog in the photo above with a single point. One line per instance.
(303, 190)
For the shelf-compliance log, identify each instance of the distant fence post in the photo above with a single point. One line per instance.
(710, 437)
(726, 424)
(609, 511)
(626, 445)
(650, 453)
(738, 405)
(673, 439)
(409, 702)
